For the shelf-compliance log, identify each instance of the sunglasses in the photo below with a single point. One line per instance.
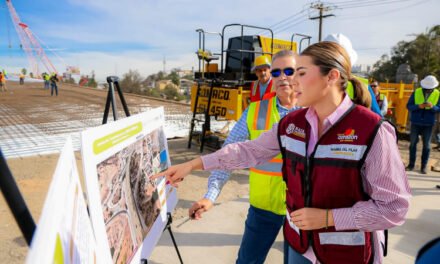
(373, 86)
(287, 71)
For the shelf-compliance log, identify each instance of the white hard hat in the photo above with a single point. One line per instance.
(429, 82)
(345, 43)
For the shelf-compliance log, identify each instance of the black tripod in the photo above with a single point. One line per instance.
(15, 201)
(168, 226)
(113, 81)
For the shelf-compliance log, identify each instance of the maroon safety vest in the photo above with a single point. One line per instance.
(330, 178)
(255, 91)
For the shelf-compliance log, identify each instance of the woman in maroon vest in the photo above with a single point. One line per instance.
(346, 182)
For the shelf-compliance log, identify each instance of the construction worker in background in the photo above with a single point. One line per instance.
(21, 78)
(423, 104)
(261, 88)
(381, 99)
(53, 84)
(266, 186)
(46, 78)
(3, 82)
(346, 44)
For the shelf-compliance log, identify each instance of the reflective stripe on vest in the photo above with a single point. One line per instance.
(255, 91)
(267, 189)
(419, 97)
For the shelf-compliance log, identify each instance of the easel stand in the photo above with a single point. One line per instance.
(168, 226)
(15, 201)
(113, 81)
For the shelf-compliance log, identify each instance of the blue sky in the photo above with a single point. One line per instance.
(111, 37)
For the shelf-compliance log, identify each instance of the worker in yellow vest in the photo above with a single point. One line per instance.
(381, 99)
(267, 189)
(345, 42)
(21, 78)
(423, 105)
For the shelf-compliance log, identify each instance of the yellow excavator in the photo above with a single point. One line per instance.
(222, 84)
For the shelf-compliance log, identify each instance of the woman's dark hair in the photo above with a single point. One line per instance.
(329, 55)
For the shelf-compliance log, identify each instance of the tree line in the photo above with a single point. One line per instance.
(422, 54)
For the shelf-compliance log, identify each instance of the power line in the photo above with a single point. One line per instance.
(291, 23)
(369, 4)
(386, 12)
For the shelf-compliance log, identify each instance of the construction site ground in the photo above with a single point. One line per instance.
(33, 125)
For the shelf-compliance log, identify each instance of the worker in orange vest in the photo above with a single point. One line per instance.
(3, 82)
(262, 88)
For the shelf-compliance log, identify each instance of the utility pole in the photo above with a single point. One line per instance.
(321, 8)
(164, 64)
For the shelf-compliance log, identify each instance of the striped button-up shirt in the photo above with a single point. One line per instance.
(240, 133)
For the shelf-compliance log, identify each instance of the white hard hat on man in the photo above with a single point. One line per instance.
(345, 42)
(429, 82)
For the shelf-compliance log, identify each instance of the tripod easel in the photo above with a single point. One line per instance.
(15, 201)
(113, 81)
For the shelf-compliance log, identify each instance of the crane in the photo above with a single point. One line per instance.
(30, 44)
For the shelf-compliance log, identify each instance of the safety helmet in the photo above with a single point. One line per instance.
(429, 82)
(345, 43)
(261, 61)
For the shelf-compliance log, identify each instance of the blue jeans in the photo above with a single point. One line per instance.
(261, 230)
(426, 133)
(53, 86)
(293, 257)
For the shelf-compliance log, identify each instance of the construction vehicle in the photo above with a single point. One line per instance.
(397, 95)
(225, 93)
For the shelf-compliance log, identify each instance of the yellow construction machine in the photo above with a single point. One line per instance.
(222, 84)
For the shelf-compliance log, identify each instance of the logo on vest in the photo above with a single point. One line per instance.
(292, 129)
(348, 136)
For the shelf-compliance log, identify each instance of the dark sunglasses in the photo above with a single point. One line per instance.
(287, 71)
(373, 85)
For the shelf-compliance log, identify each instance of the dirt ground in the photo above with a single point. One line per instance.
(33, 176)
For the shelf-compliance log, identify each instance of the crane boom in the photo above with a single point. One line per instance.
(30, 44)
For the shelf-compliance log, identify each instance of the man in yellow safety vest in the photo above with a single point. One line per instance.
(423, 105)
(267, 190)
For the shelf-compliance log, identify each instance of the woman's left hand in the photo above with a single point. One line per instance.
(312, 218)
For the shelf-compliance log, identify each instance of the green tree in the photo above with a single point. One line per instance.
(422, 54)
(92, 82)
(171, 93)
(23, 71)
(132, 82)
(174, 77)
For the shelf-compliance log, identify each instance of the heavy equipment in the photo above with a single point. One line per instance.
(221, 88)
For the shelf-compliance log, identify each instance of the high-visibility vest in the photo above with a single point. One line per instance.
(380, 98)
(255, 91)
(267, 190)
(419, 97)
(350, 88)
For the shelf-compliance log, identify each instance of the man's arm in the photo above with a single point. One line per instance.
(218, 178)
(384, 106)
(411, 106)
